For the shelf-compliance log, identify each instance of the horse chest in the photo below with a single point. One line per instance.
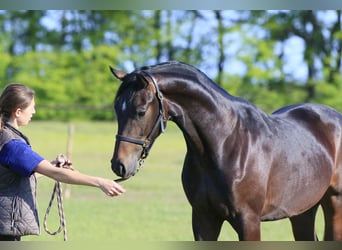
(207, 191)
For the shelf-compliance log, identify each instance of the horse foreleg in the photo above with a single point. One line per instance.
(247, 225)
(303, 225)
(206, 226)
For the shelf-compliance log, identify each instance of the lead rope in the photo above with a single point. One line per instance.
(62, 222)
(62, 161)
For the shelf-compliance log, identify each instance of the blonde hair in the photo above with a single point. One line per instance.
(14, 96)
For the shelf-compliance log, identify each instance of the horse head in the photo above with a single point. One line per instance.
(139, 108)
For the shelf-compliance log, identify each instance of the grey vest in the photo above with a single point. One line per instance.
(18, 206)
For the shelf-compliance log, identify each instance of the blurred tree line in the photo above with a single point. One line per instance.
(271, 58)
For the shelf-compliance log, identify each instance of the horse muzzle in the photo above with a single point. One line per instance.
(121, 169)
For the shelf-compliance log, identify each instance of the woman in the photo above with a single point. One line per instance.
(19, 163)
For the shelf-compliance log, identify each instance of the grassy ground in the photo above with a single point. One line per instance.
(154, 208)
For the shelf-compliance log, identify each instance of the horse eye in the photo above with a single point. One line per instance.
(141, 113)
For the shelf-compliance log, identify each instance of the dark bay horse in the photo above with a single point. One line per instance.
(242, 165)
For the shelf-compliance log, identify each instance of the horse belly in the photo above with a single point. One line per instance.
(302, 187)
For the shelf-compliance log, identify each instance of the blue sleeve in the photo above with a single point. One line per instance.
(19, 157)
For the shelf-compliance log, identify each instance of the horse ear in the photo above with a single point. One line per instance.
(142, 80)
(117, 73)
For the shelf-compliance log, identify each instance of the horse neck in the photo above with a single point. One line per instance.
(200, 111)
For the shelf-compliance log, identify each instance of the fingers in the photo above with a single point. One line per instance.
(62, 161)
(114, 189)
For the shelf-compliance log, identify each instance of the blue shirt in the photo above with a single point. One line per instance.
(19, 157)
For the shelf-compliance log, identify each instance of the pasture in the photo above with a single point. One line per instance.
(154, 208)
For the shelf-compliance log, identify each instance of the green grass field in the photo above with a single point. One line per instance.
(154, 208)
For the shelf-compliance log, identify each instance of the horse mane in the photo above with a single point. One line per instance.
(192, 73)
(185, 71)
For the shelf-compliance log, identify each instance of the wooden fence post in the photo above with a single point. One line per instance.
(71, 130)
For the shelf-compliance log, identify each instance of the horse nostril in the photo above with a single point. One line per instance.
(121, 169)
(118, 168)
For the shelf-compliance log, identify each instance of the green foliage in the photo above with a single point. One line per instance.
(64, 55)
(329, 94)
(70, 85)
(4, 62)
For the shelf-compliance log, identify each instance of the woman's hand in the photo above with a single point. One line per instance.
(110, 187)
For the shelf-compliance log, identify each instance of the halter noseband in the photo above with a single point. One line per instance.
(148, 142)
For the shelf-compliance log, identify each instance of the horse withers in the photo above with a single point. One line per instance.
(242, 165)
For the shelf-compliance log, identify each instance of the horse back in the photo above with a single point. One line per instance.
(325, 123)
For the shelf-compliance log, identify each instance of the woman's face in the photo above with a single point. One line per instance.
(24, 115)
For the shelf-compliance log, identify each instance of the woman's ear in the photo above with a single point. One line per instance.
(17, 112)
